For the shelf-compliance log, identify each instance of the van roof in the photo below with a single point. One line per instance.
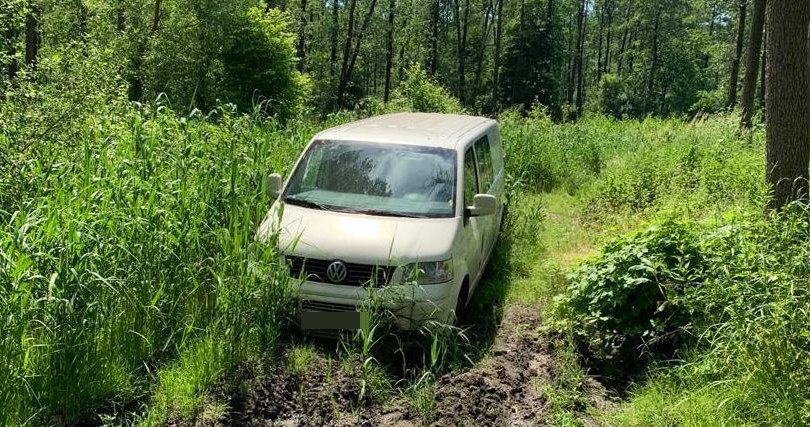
(427, 129)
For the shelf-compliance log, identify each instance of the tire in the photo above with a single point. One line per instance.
(461, 305)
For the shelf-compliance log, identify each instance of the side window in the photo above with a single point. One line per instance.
(484, 155)
(470, 177)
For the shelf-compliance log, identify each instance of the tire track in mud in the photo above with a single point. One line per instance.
(506, 388)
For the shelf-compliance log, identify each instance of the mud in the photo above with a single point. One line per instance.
(506, 388)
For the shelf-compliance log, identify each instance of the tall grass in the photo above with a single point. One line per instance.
(130, 243)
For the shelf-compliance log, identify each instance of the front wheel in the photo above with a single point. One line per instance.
(461, 306)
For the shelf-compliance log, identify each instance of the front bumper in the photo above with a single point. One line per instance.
(412, 305)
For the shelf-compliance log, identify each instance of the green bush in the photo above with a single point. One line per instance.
(206, 56)
(751, 355)
(628, 303)
(424, 95)
(259, 63)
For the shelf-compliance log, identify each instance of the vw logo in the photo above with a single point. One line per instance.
(336, 272)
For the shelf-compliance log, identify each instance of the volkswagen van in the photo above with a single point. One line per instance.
(402, 208)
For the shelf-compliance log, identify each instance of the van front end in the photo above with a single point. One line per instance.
(403, 292)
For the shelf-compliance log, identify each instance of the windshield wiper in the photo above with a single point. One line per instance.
(384, 213)
(305, 203)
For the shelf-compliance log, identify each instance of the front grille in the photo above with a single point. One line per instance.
(307, 305)
(356, 274)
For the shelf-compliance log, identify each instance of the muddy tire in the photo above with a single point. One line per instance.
(461, 305)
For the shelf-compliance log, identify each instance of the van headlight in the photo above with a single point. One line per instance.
(427, 273)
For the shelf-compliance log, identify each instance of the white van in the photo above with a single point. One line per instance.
(405, 208)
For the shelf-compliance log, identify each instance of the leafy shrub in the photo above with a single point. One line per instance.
(612, 97)
(259, 63)
(752, 352)
(424, 95)
(226, 54)
(628, 303)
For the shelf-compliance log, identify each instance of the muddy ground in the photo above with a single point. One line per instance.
(509, 386)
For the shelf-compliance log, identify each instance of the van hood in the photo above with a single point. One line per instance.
(368, 239)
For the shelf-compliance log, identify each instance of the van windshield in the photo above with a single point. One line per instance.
(375, 179)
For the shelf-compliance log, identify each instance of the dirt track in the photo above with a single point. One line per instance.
(505, 388)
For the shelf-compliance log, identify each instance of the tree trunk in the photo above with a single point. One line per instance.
(787, 101)
(335, 29)
(571, 65)
(82, 20)
(752, 65)
(764, 61)
(120, 18)
(706, 56)
(302, 30)
(654, 59)
(156, 16)
(479, 67)
(347, 46)
(496, 65)
(625, 36)
(433, 53)
(580, 56)
(348, 65)
(735, 63)
(32, 26)
(461, 45)
(599, 43)
(389, 50)
(609, 42)
(11, 40)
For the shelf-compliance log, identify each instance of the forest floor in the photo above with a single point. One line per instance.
(518, 372)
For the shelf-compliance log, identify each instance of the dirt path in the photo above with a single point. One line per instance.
(503, 389)
(508, 387)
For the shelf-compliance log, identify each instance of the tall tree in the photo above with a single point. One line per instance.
(120, 17)
(156, 16)
(653, 56)
(762, 68)
(461, 44)
(32, 35)
(349, 53)
(389, 49)
(735, 62)
(579, 60)
(752, 63)
(625, 36)
(432, 62)
(302, 33)
(787, 100)
(486, 24)
(334, 38)
(496, 66)
(11, 51)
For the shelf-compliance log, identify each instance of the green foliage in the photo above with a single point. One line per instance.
(226, 52)
(628, 302)
(259, 65)
(529, 73)
(751, 359)
(424, 95)
(613, 98)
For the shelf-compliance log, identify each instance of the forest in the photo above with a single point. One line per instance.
(652, 269)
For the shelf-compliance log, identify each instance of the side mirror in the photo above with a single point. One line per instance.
(483, 204)
(274, 184)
